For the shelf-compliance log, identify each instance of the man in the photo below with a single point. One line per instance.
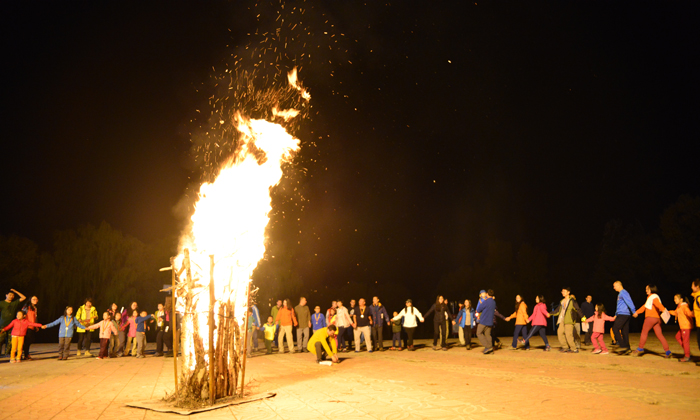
(334, 306)
(486, 310)
(460, 332)
(380, 316)
(349, 330)
(362, 322)
(162, 327)
(8, 312)
(273, 314)
(588, 310)
(342, 321)
(623, 311)
(569, 314)
(304, 320)
(696, 305)
(319, 344)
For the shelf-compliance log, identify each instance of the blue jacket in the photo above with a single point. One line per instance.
(377, 312)
(318, 321)
(625, 306)
(462, 317)
(67, 326)
(256, 316)
(141, 323)
(486, 309)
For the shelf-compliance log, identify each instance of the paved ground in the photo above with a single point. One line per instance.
(426, 384)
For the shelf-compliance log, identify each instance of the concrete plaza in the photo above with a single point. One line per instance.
(425, 384)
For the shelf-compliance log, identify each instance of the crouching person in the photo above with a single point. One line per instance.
(323, 344)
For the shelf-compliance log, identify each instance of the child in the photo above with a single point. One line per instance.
(683, 315)
(598, 319)
(141, 333)
(107, 328)
(396, 333)
(318, 321)
(131, 339)
(19, 331)
(269, 330)
(114, 339)
(65, 332)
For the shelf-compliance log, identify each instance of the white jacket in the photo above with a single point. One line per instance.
(409, 317)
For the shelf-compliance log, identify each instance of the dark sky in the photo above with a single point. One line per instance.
(437, 127)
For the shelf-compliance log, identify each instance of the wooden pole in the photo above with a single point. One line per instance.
(245, 335)
(173, 322)
(212, 324)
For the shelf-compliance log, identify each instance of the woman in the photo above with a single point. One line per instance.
(30, 312)
(520, 316)
(286, 319)
(652, 320)
(539, 322)
(409, 314)
(466, 321)
(441, 311)
(86, 316)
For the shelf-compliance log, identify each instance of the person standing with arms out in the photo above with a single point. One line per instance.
(569, 314)
(30, 312)
(588, 311)
(441, 310)
(273, 314)
(379, 316)
(86, 315)
(695, 286)
(304, 319)
(521, 317)
(410, 316)
(19, 330)
(652, 321)
(623, 312)
(342, 321)
(107, 329)
(486, 310)
(466, 321)
(286, 319)
(598, 320)
(8, 312)
(65, 332)
(683, 315)
(362, 324)
(539, 322)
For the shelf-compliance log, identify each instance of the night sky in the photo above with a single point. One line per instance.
(435, 128)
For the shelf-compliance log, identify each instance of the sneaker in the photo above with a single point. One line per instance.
(668, 354)
(685, 359)
(637, 353)
(512, 348)
(604, 352)
(371, 351)
(12, 360)
(400, 349)
(444, 349)
(548, 348)
(98, 358)
(18, 361)
(161, 355)
(596, 351)
(79, 354)
(392, 348)
(573, 351)
(563, 350)
(87, 353)
(28, 358)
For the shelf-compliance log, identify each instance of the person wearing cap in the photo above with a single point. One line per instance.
(410, 316)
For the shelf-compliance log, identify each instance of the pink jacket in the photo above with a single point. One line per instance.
(539, 315)
(106, 328)
(132, 327)
(599, 323)
(19, 326)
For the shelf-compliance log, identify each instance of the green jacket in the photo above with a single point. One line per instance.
(396, 326)
(274, 312)
(572, 312)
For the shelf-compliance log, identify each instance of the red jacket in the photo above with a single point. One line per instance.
(19, 326)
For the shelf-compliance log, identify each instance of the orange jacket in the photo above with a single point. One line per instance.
(656, 309)
(521, 314)
(683, 315)
(286, 317)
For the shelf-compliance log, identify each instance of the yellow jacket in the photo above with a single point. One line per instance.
(321, 335)
(84, 319)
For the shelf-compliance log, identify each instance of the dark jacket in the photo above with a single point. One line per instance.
(588, 309)
(439, 310)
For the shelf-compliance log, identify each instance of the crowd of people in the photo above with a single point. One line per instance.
(122, 332)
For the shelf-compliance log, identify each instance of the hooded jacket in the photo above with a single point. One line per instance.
(67, 325)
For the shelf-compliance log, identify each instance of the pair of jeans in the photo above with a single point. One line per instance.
(683, 338)
(440, 332)
(409, 332)
(621, 330)
(64, 347)
(377, 335)
(467, 332)
(268, 346)
(320, 352)
(84, 340)
(652, 324)
(520, 330)
(341, 338)
(121, 342)
(303, 337)
(160, 339)
(598, 341)
(541, 329)
(104, 348)
(363, 332)
(483, 333)
(28, 341)
(140, 343)
(396, 339)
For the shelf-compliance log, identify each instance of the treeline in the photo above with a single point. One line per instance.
(98, 262)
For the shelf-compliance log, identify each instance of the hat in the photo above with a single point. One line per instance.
(409, 301)
(482, 291)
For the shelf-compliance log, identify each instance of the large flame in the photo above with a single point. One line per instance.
(230, 218)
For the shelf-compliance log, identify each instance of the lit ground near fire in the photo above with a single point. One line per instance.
(425, 384)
